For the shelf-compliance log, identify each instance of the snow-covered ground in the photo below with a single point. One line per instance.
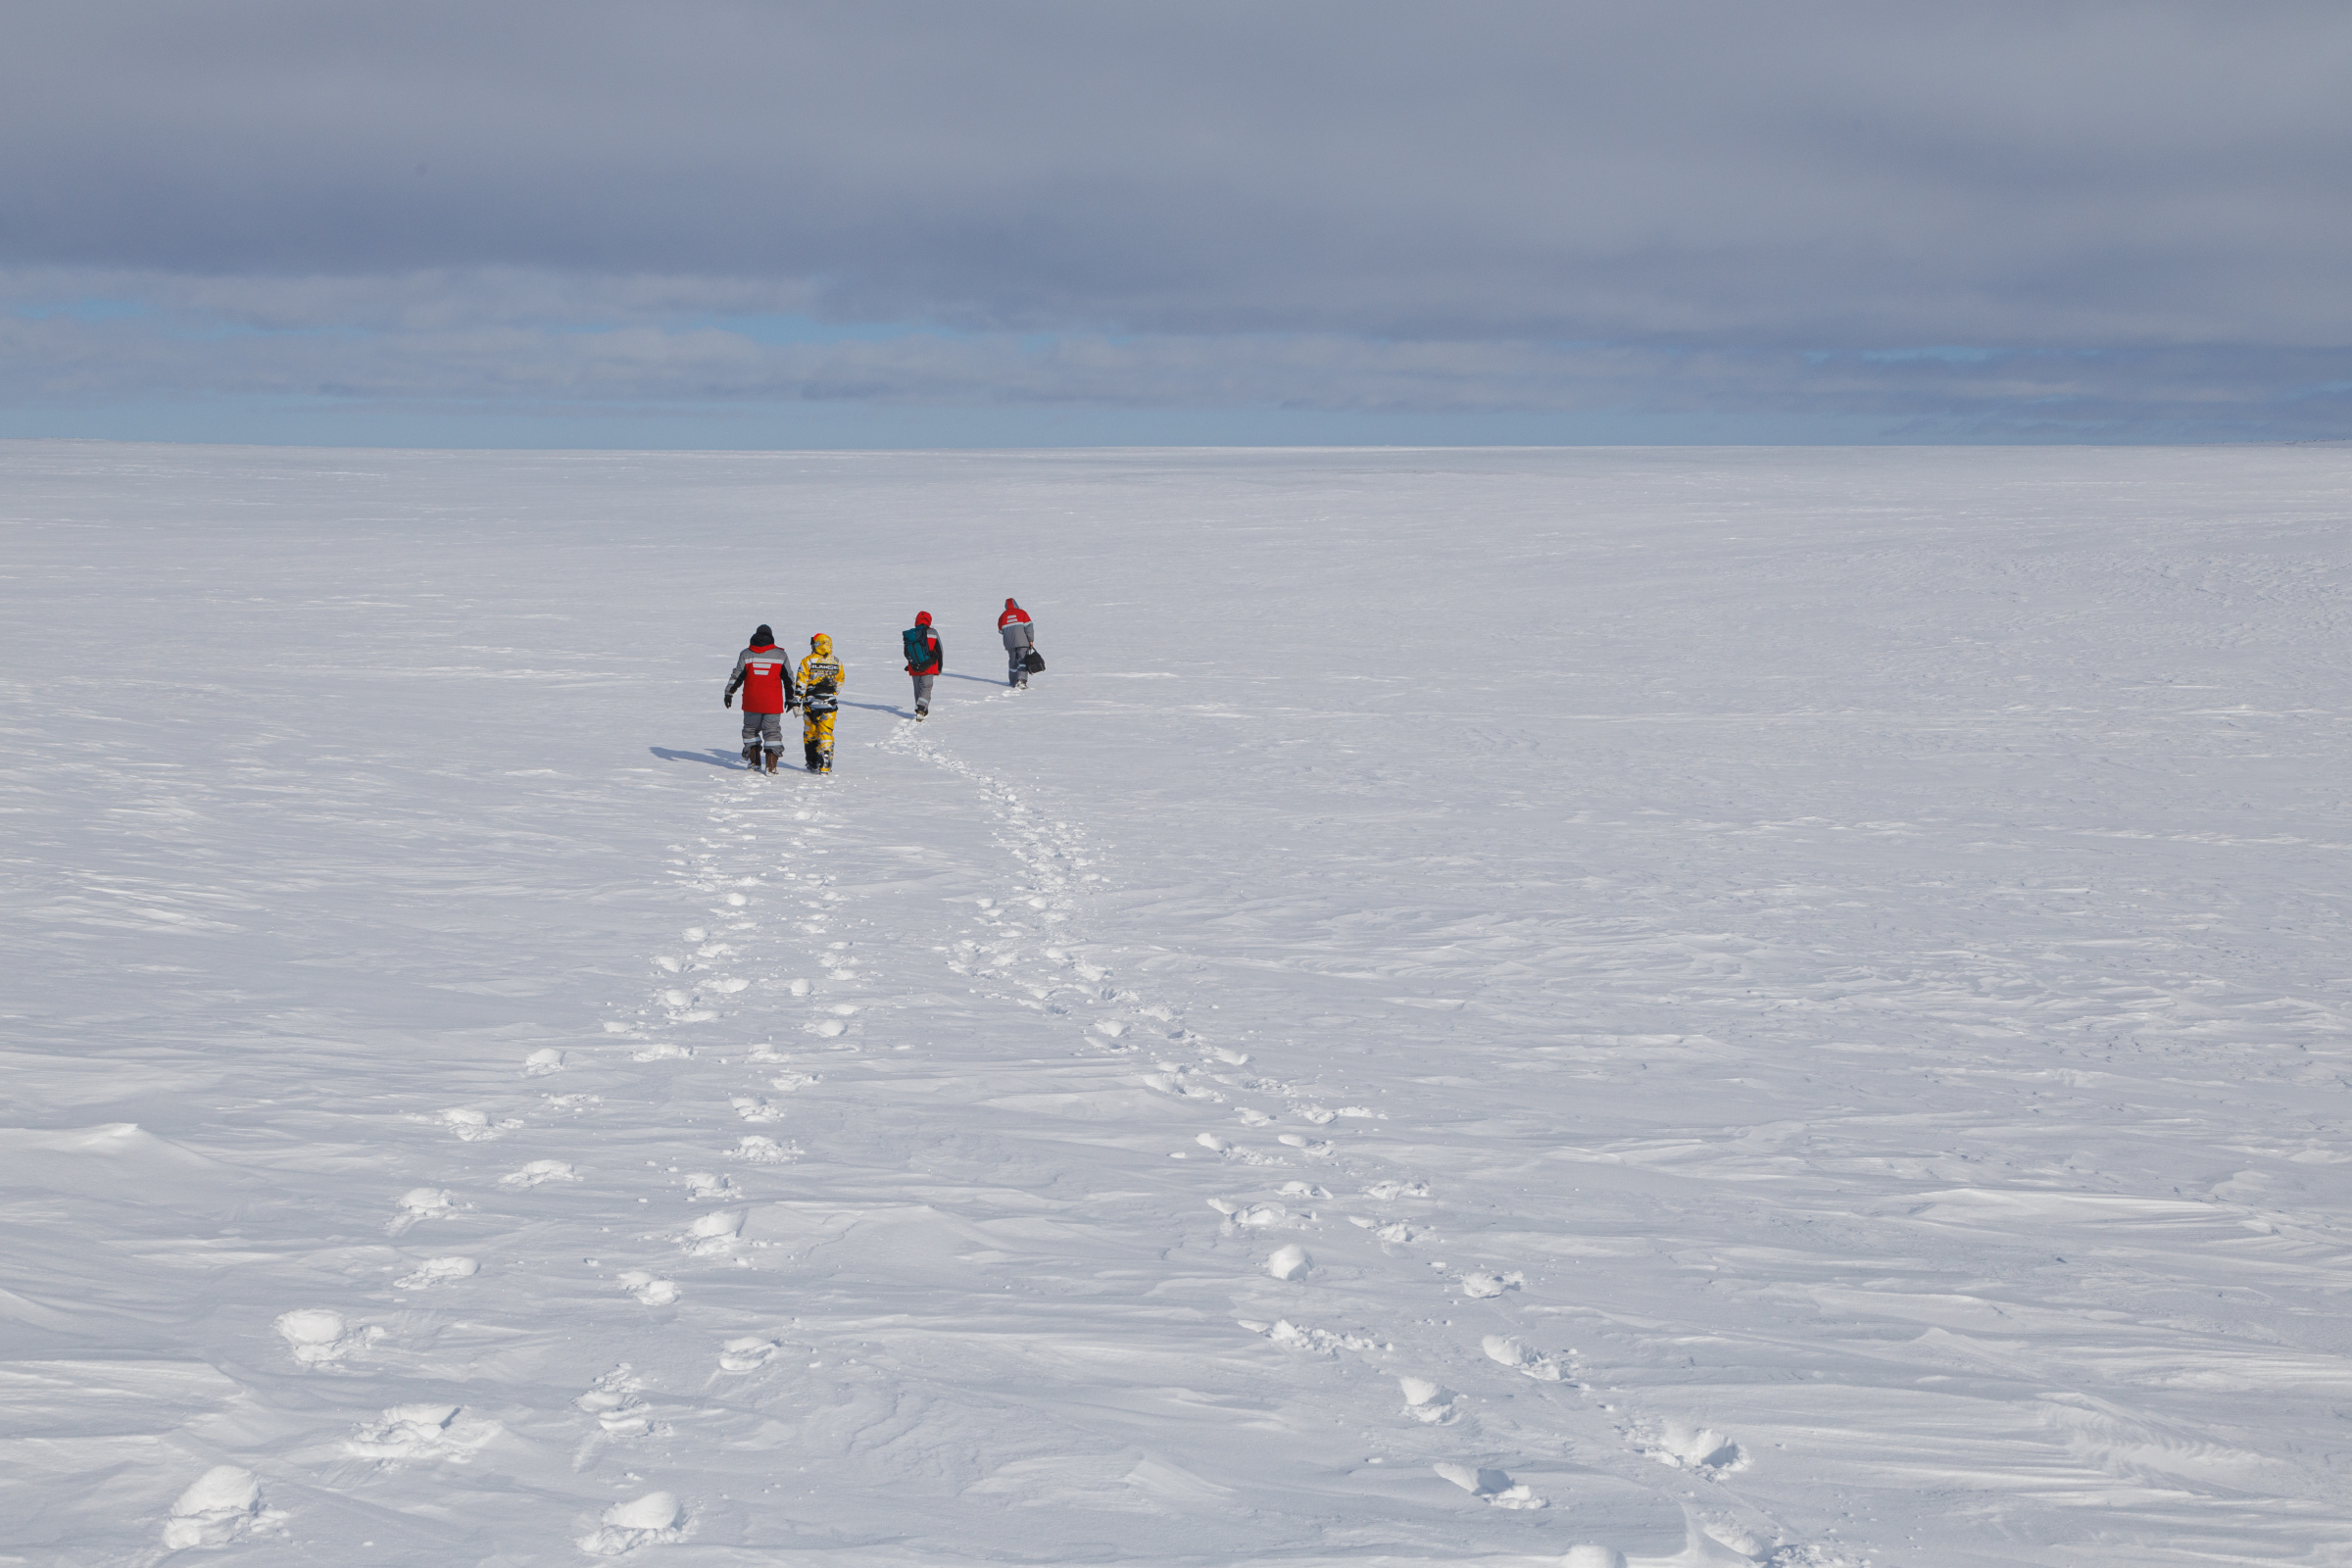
(1489, 1007)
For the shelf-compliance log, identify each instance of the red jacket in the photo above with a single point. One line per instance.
(1012, 613)
(766, 678)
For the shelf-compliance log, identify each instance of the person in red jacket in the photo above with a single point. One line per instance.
(764, 677)
(1020, 638)
(925, 658)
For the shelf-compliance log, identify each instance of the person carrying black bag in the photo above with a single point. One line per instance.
(1021, 659)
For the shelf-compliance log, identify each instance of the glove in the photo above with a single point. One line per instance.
(727, 701)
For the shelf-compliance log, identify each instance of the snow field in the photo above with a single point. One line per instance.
(1572, 1007)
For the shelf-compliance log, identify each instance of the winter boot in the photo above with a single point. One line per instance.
(922, 712)
(814, 766)
(825, 758)
(751, 757)
(774, 755)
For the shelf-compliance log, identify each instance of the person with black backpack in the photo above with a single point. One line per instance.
(925, 658)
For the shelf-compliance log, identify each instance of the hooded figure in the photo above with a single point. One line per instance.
(925, 658)
(763, 675)
(1020, 640)
(820, 696)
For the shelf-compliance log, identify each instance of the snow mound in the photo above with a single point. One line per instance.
(1506, 1351)
(476, 1126)
(541, 1170)
(319, 1337)
(1495, 1487)
(421, 1204)
(1692, 1448)
(214, 1510)
(437, 1271)
(649, 1289)
(626, 1526)
(419, 1431)
(712, 1234)
(1427, 1401)
(748, 1353)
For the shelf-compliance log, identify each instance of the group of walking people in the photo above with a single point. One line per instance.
(770, 687)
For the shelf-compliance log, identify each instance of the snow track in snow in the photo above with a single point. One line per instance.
(1806, 1030)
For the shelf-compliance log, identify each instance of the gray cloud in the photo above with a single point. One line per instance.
(2140, 210)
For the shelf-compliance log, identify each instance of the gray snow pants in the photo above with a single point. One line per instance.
(764, 729)
(923, 690)
(1019, 637)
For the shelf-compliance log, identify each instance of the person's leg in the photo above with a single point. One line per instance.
(771, 738)
(825, 743)
(808, 740)
(922, 694)
(1013, 670)
(750, 739)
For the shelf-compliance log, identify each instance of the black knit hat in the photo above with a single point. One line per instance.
(764, 638)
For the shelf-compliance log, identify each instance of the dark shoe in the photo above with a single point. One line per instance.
(774, 755)
(751, 758)
(920, 711)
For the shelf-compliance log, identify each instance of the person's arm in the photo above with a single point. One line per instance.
(735, 685)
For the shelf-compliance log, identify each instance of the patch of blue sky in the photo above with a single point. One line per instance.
(168, 323)
(1945, 354)
(94, 309)
(786, 329)
(221, 331)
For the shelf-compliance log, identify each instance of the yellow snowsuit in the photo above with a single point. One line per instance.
(820, 685)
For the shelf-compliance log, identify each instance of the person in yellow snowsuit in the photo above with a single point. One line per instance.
(820, 696)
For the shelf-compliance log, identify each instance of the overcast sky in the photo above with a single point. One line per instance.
(695, 222)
